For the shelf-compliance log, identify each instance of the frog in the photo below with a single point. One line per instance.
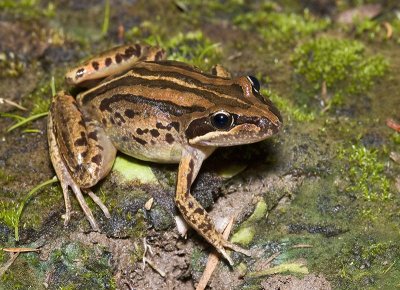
(135, 101)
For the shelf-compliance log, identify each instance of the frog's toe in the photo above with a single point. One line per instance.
(236, 248)
(66, 182)
(85, 207)
(226, 256)
(67, 215)
(98, 201)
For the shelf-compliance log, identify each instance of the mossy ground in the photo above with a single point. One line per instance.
(326, 180)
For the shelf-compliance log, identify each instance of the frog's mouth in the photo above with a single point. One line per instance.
(246, 133)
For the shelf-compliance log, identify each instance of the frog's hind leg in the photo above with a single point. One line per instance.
(191, 209)
(114, 61)
(67, 181)
(81, 154)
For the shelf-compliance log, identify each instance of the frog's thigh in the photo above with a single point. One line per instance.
(85, 149)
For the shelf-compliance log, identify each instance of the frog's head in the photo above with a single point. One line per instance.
(242, 116)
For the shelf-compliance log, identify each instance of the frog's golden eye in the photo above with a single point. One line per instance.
(221, 120)
(254, 83)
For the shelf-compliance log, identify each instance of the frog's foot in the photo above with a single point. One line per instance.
(198, 218)
(98, 201)
(229, 245)
(222, 251)
(221, 244)
(67, 181)
(236, 248)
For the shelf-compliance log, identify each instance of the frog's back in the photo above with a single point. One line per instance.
(170, 82)
(145, 111)
(142, 115)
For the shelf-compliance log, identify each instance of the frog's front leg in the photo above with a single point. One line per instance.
(191, 210)
(80, 152)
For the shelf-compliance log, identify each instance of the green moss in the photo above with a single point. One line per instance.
(3, 257)
(339, 64)
(39, 100)
(68, 287)
(41, 96)
(137, 253)
(370, 29)
(289, 110)
(365, 173)
(43, 197)
(294, 268)
(79, 266)
(23, 273)
(212, 5)
(10, 65)
(396, 137)
(161, 218)
(196, 12)
(345, 5)
(244, 235)
(9, 213)
(281, 27)
(367, 264)
(139, 230)
(247, 231)
(191, 47)
(31, 9)
(198, 260)
(5, 177)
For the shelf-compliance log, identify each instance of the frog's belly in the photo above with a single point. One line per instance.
(167, 149)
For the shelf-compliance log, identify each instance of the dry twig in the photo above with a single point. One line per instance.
(389, 29)
(11, 103)
(20, 250)
(8, 264)
(147, 247)
(302, 246)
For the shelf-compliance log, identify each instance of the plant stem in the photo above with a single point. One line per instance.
(25, 201)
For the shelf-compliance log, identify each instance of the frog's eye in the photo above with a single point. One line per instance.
(254, 83)
(221, 120)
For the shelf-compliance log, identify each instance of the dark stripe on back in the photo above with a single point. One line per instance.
(164, 106)
(163, 84)
(234, 90)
